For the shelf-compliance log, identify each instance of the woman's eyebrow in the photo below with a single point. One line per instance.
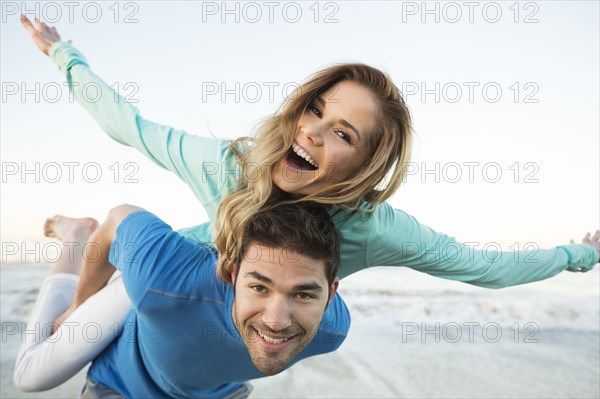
(349, 126)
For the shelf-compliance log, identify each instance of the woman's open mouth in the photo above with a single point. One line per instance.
(299, 159)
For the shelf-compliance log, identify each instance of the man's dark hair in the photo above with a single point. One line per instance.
(302, 227)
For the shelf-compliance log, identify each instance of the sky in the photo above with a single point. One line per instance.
(504, 98)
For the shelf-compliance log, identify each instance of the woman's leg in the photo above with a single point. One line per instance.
(46, 360)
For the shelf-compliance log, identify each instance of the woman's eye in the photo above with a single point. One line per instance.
(315, 110)
(344, 136)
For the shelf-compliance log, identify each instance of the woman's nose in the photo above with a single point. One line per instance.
(314, 132)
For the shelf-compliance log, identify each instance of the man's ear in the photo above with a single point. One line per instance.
(333, 289)
(234, 272)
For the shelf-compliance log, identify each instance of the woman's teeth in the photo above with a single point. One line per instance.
(301, 153)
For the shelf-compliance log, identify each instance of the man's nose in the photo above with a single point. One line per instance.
(277, 314)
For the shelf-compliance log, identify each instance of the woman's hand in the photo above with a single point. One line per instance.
(593, 241)
(43, 35)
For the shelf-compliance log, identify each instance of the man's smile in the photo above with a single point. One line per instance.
(274, 342)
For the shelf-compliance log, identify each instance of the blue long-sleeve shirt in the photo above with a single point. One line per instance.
(179, 340)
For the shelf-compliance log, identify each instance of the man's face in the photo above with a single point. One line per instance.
(280, 297)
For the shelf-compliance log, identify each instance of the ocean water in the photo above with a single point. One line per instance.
(412, 335)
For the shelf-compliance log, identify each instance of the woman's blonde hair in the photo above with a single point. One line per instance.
(388, 147)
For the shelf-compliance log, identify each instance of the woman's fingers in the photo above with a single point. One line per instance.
(44, 29)
(588, 239)
(43, 35)
(27, 24)
(38, 25)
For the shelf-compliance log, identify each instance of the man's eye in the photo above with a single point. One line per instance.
(258, 288)
(304, 296)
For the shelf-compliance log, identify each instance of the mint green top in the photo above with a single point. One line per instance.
(371, 236)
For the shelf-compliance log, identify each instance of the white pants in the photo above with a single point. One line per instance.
(46, 361)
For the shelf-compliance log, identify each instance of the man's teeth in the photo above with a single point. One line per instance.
(301, 153)
(272, 340)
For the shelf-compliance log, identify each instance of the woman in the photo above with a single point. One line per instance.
(342, 139)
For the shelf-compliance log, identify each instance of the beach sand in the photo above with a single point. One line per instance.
(376, 364)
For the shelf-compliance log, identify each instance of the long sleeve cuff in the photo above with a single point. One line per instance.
(581, 257)
(66, 56)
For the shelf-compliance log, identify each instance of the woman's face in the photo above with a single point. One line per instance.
(331, 142)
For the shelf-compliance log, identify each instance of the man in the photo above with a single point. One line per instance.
(190, 334)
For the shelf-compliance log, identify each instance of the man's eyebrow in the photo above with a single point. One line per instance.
(308, 287)
(300, 287)
(259, 277)
(342, 121)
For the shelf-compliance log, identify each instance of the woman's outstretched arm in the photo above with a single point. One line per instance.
(398, 239)
(204, 164)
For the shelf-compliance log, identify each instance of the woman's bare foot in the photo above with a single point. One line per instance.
(65, 228)
(74, 234)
